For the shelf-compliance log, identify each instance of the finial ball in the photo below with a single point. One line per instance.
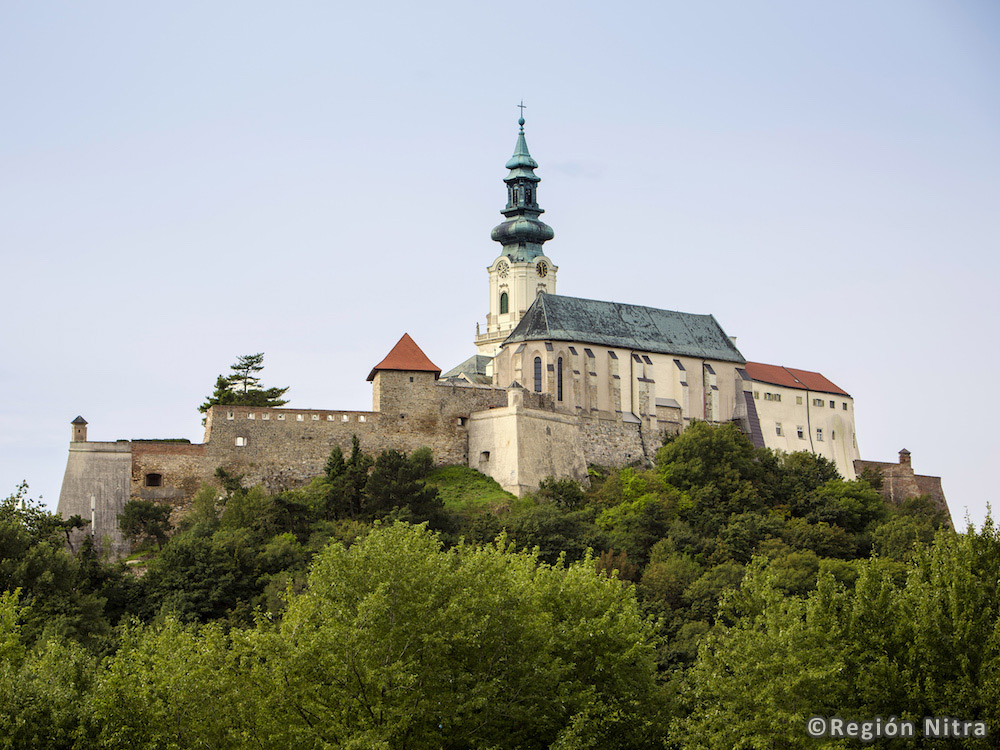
(520, 121)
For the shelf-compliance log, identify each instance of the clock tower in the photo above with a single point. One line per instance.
(521, 271)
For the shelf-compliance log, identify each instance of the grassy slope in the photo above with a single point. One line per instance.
(467, 492)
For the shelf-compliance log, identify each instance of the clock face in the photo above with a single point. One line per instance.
(542, 268)
(503, 269)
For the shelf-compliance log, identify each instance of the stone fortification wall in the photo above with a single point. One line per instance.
(612, 442)
(179, 468)
(101, 471)
(281, 448)
(417, 410)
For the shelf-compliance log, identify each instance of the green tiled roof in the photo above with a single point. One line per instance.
(555, 318)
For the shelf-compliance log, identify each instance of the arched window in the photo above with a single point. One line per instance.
(538, 374)
(559, 380)
(504, 305)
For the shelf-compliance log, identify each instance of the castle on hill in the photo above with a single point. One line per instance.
(557, 383)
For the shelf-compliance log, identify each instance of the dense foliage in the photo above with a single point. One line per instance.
(715, 600)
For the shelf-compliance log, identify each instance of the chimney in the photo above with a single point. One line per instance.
(904, 458)
(79, 430)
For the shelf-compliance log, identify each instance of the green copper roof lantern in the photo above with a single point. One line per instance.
(522, 235)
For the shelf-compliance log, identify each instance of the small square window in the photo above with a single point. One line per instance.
(798, 400)
(300, 417)
(265, 416)
(230, 415)
(251, 415)
(315, 417)
(345, 418)
(801, 432)
(361, 417)
(329, 417)
(241, 442)
(777, 429)
(411, 378)
(818, 402)
(281, 417)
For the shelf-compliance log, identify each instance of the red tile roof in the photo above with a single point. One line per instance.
(792, 378)
(406, 356)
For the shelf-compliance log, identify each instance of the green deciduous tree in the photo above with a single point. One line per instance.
(144, 519)
(399, 643)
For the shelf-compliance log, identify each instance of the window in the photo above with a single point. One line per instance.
(230, 415)
(251, 415)
(756, 395)
(819, 434)
(777, 429)
(154, 480)
(345, 418)
(462, 421)
(299, 417)
(801, 432)
(265, 416)
(281, 417)
(845, 406)
(798, 400)
(559, 380)
(818, 402)
(772, 397)
(832, 404)
(241, 442)
(329, 417)
(833, 434)
(484, 457)
(361, 417)
(504, 304)
(538, 374)
(315, 417)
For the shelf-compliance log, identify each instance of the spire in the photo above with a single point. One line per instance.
(522, 235)
(521, 157)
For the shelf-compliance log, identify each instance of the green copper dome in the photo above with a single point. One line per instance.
(523, 234)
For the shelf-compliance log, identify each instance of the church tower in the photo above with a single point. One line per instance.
(522, 270)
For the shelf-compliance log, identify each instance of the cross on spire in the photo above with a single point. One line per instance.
(520, 120)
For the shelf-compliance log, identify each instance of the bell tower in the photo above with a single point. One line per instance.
(522, 270)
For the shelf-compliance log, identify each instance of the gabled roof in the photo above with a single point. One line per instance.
(79, 420)
(406, 356)
(790, 377)
(472, 370)
(647, 329)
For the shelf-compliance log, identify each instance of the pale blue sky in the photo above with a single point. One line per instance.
(186, 183)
